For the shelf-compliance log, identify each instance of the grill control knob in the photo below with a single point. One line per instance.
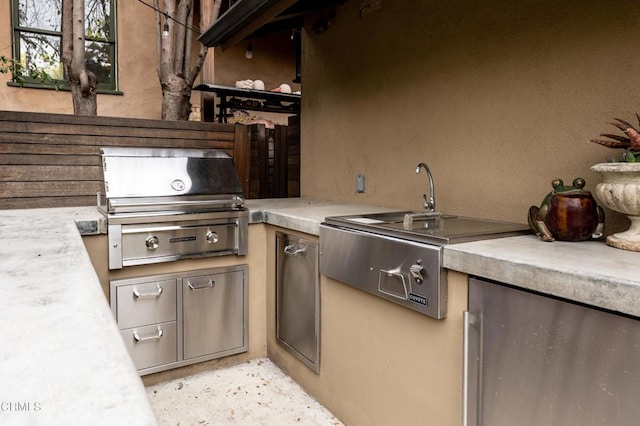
(152, 242)
(212, 237)
(417, 272)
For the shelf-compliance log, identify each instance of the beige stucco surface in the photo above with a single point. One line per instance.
(140, 96)
(498, 98)
(380, 363)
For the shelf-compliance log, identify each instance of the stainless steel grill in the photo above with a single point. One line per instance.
(168, 204)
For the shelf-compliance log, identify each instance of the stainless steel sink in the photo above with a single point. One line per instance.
(398, 255)
(397, 216)
(433, 228)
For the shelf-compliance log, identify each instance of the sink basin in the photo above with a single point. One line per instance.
(397, 216)
(424, 226)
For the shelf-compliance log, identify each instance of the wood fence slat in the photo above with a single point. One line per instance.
(45, 128)
(26, 149)
(22, 173)
(38, 159)
(46, 202)
(48, 189)
(34, 117)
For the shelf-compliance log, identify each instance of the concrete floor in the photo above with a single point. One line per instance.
(255, 393)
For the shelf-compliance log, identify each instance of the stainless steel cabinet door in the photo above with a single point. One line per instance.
(298, 298)
(533, 360)
(213, 313)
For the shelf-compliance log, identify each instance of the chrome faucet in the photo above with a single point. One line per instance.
(429, 204)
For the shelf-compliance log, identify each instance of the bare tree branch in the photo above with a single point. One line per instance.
(181, 34)
(186, 63)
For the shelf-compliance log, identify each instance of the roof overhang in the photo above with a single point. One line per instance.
(248, 19)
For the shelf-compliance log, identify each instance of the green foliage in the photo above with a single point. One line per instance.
(21, 73)
(631, 157)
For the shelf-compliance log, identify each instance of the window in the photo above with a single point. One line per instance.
(37, 40)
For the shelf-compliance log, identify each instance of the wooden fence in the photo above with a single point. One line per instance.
(275, 161)
(53, 160)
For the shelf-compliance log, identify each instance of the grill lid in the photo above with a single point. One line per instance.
(151, 179)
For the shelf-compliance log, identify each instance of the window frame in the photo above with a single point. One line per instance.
(62, 84)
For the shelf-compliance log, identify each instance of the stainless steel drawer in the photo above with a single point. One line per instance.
(146, 302)
(152, 345)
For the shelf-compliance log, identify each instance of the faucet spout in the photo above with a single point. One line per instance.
(429, 203)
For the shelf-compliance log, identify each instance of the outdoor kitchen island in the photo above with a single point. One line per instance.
(62, 358)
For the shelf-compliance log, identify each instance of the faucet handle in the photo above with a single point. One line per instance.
(429, 204)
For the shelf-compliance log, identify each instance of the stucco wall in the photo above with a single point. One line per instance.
(138, 81)
(498, 98)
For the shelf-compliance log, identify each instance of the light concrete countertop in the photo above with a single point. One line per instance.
(62, 359)
(301, 214)
(588, 272)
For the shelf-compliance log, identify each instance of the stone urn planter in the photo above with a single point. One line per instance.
(620, 191)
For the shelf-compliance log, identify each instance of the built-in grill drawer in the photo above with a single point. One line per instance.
(401, 271)
(152, 345)
(146, 303)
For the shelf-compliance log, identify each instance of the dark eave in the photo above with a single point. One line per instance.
(257, 18)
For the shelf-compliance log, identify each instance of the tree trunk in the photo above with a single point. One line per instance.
(83, 82)
(175, 71)
(176, 95)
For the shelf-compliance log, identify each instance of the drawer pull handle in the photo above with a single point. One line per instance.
(139, 295)
(292, 251)
(391, 274)
(210, 284)
(156, 336)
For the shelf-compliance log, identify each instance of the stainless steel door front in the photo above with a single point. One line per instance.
(534, 360)
(151, 345)
(214, 313)
(298, 298)
(401, 271)
(142, 243)
(146, 303)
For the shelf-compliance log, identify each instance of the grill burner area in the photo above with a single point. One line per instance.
(168, 204)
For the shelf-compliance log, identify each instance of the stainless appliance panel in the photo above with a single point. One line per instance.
(401, 271)
(298, 298)
(148, 241)
(153, 172)
(152, 345)
(146, 302)
(535, 360)
(214, 313)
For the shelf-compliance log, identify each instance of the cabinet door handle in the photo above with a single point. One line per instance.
(291, 250)
(152, 294)
(210, 284)
(393, 273)
(156, 336)
(471, 379)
